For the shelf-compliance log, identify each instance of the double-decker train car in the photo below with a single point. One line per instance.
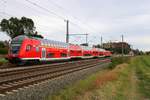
(24, 49)
(75, 51)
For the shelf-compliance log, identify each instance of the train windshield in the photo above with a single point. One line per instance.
(15, 49)
(18, 39)
(16, 43)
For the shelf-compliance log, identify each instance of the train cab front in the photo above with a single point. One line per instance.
(13, 55)
(14, 50)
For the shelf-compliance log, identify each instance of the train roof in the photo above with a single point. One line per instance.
(46, 41)
(54, 42)
(21, 37)
(86, 47)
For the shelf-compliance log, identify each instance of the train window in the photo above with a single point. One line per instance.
(53, 45)
(100, 54)
(37, 49)
(79, 51)
(15, 49)
(50, 55)
(45, 43)
(49, 44)
(42, 43)
(87, 54)
(63, 55)
(71, 51)
(28, 47)
(56, 45)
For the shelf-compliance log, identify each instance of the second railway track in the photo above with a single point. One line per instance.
(13, 79)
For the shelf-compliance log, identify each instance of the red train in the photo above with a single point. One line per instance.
(23, 49)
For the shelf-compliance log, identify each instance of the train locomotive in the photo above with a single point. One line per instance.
(25, 49)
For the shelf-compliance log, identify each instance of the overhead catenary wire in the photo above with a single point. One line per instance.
(56, 14)
(31, 7)
(7, 14)
(74, 17)
(49, 11)
(45, 9)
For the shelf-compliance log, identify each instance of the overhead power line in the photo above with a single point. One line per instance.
(4, 13)
(74, 17)
(52, 12)
(47, 10)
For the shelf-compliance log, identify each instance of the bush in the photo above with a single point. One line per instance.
(2, 61)
(2, 45)
(118, 60)
(3, 50)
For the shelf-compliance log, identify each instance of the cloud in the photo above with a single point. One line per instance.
(3, 36)
(107, 18)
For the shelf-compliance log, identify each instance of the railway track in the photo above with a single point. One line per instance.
(14, 78)
(10, 66)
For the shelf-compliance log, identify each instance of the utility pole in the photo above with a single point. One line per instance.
(67, 31)
(101, 42)
(122, 38)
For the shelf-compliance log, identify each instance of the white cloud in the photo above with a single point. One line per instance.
(3, 36)
(109, 18)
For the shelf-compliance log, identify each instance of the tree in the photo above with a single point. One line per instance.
(14, 27)
(2, 44)
(147, 53)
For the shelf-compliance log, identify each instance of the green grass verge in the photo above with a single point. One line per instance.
(119, 60)
(143, 73)
(3, 60)
(3, 50)
(79, 87)
(132, 83)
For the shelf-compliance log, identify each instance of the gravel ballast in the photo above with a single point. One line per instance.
(42, 90)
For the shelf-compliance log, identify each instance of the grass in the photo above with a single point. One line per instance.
(3, 50)
(2, 61)
(143, 73)
(127, 81)
(79, 87)
(118, 60)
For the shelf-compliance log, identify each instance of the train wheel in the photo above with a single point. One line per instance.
(21, 63)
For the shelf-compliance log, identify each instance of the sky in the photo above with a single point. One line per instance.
(107, 18)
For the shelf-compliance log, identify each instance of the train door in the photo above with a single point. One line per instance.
(43, 53)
